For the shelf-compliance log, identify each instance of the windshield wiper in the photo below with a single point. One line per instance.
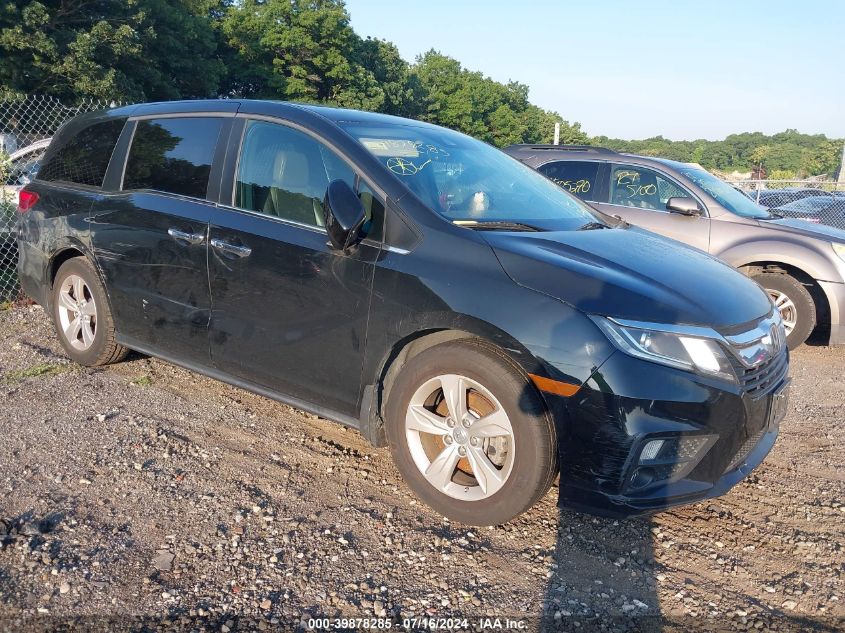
(591, 226)
(496, 225)
(774, 215)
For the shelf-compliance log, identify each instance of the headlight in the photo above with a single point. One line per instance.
(839, 249)
(648, 341)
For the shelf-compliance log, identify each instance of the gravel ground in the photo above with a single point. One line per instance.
(143, 490)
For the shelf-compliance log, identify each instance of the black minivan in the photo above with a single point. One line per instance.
(413, 283)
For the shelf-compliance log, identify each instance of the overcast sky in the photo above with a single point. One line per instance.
(682, 69)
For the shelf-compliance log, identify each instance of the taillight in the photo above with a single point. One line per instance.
(26, 200)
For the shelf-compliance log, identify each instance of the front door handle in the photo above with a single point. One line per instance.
(231, 249)
(183, 236)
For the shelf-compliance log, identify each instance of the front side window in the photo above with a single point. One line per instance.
(173, 155)
(284, 173)
(635, 186)
(84, 158)
(579, 178)
(467, 181)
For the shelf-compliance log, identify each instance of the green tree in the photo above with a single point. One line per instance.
(392, 74)
(788, 152)
(479, 106)
(140, 50)
(540, 128)
(306, 50)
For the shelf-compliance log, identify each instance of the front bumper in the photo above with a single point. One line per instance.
(628, 402)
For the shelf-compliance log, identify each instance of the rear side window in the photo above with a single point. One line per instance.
(84, 158)
(576, 177)
(173, 155)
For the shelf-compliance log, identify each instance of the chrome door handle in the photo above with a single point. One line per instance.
(232, 249)
(190, 238)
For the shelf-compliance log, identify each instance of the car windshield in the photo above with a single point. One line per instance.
(724, 194)
(468, 181)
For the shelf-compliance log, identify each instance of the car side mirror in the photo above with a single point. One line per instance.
(683, 206)
(344, 214)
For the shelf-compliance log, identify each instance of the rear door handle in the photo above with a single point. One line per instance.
(183, 236)
(231, 249)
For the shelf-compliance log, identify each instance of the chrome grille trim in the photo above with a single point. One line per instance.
(762, 379)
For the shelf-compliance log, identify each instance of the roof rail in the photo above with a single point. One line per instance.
(565, 148)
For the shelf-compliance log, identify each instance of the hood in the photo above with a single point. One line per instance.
(631, 274)
(807, 229)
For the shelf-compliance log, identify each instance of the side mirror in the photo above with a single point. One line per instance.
(343, 213)
(683, 206)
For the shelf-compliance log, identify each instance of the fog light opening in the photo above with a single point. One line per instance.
(668, 459)
(651, 450)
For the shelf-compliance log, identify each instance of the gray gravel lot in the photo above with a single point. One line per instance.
(142, 489)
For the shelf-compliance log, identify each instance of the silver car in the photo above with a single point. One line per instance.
(801, 264)
(17, 171)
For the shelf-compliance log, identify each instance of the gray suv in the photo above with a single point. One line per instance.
(800, 264)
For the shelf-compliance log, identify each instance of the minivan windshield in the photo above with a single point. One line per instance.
(470, 182)
(724, 194)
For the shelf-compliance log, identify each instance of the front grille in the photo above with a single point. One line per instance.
(745, 449)
(760, 380)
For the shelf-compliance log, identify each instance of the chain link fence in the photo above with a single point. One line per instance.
(26, 125)
(816, 201)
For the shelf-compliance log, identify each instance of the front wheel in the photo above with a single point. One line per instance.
(470, 434)
(795, 304)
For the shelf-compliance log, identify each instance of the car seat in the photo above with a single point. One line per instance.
(297, 189)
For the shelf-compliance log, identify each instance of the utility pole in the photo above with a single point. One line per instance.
(841, 179)
(557, 134)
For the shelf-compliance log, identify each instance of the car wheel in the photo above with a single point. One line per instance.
(470, 433)
(82, 317)
(795, 304)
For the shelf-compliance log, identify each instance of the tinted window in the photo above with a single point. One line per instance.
(373, 210)
(172, 155)
(634, 186)
(84, 158)
(576, 177)
(284, 173)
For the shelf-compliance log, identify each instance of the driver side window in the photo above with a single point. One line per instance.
(284, 173)
(641, 187)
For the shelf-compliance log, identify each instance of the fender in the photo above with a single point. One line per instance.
(798, 256)
(63, 245)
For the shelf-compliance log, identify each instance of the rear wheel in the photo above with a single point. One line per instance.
(795, 304)
(82, 317)
(470, 433)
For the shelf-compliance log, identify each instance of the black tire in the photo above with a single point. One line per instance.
(535, 457)
(103, 349)
(804, 306)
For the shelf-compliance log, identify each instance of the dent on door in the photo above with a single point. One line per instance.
(152, 253)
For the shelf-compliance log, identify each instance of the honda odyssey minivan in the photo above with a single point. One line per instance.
(417, 285)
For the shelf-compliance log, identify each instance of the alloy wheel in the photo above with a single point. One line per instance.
(77, 312)
(460, 437)
(787, 308)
